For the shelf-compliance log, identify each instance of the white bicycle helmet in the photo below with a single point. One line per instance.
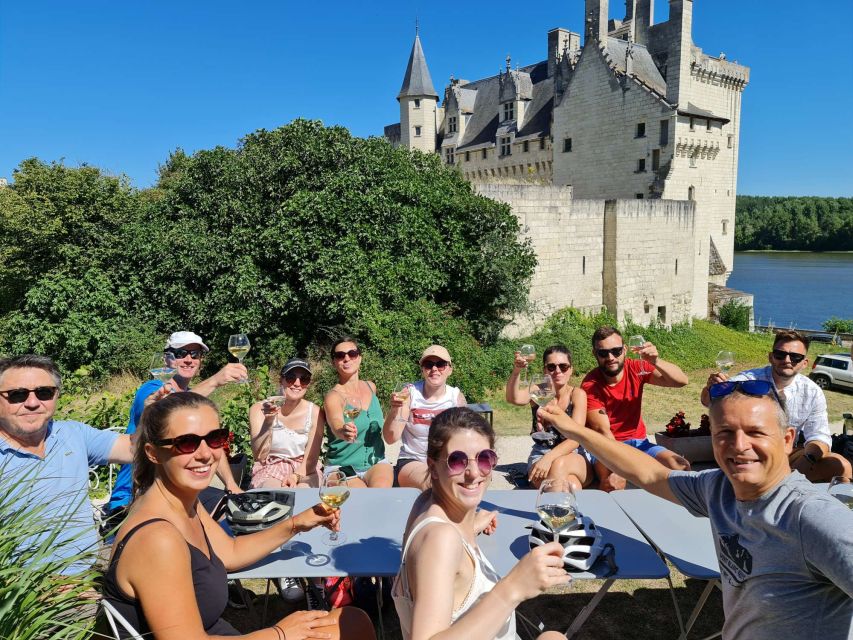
(582, 542)
(257, 510)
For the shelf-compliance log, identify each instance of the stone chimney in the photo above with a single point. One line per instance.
(560, 40)
(681, 42)
(595, 21)
(644, 17)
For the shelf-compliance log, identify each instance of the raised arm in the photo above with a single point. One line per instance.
(333, 407)
(666, 374)
(261, 416)
(395, 421)
(315, 443)
(628, 462)
(231, 372)
(514, 394)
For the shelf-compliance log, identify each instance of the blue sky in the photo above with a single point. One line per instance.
(121, 84)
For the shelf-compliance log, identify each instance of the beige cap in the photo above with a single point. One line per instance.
(437, 351)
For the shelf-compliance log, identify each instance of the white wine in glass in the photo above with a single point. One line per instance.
(635, 343)
(352, 407)
(401, 391)
(162, 367)
(334, 492)
(725, 361)
(277, 402)
(556, 505)
(238, 346)
(528, 352)
(542, 390)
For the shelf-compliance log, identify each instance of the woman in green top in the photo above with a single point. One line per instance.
(355, 444)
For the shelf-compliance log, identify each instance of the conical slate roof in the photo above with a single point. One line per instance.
(417, 82)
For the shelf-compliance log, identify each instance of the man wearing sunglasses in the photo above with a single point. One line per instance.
(51, 458)
(784, 546)
(805, 405)
(615, 398)
(185, 351)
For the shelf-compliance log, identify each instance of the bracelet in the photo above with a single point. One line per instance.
(280, 632)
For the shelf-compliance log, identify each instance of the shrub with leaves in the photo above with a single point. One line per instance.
(735, 315)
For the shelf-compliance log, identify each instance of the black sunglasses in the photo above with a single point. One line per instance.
(189, 442)
(551, 367)
(757, 388)
(17, 396)
(304, 378)
(352, 353)
(796, 358)
(179, 354)
(457, 462)
(441, 365)
(615, 352)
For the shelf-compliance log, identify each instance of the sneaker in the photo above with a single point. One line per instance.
(315, 598)
(290, 589)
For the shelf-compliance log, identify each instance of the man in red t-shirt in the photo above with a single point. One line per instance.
(615, 398)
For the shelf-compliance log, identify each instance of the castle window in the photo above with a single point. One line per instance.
(541, 144)
(708, 124)
(731, 141)
(485, 153)
(567, 145)
(451, 124)
(692, 124)
(725, 227)
(417, 103)
(641, 130)
(664, 133)
(506, 147)
(641, 165)
(691, 193)
(467, 156)
(417, 132)
(655, 159)
(639, 196)
(509, 111)
(583, 266)
(450, 156)
(525, 146)
(676, 266)
(693, 161)
(662, 315)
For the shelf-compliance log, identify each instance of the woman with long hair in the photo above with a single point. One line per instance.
(168, 571)
(446, 588)
(552, 455)
(355, 442)
(286, 439)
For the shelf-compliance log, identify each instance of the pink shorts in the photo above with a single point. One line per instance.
(275, 468)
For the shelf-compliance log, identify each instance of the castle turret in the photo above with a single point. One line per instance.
(418, 102)
(680, 45)
(595, 20)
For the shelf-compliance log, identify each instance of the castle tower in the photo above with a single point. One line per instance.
(595, 20)
(418, 101)
(681, 42)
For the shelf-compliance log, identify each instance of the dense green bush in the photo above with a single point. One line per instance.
(838, 325)
(735, 315)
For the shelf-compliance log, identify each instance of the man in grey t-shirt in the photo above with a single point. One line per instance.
(785, 547)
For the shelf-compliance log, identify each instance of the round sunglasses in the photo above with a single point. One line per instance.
(190, 442)
(457, 462)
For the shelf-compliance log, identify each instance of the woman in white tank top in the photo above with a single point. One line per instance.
(286, 441)
(413, 410)
(445, 584)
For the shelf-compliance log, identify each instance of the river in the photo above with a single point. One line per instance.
(792, 287)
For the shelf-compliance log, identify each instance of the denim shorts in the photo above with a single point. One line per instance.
(538, 451)
(642, 444)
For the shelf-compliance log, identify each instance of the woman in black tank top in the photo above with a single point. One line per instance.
(552, 456)
(168, 572)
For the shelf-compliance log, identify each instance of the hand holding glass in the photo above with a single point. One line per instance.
(163, 367)
(277, 402)
(401, 393)
(542, 390)
(556, 505)
(334, 492)
(725, 361)
(528, 352)
(352, 407)
(238, 346)
(635, 343)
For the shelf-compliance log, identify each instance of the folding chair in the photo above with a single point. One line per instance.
(114, 617)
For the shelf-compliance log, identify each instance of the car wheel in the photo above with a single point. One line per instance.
(822, 381)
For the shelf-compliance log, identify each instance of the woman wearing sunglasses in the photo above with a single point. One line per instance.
(355, 444)
(286, 440)
(168, 571)
(413, 411)
(445, 584)
(552, 455)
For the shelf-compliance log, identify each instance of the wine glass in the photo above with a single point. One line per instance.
(401, 390)
(277, 402)
(542, 390)
(725, 361)
(556, 505)
(528, 352)
(352, 407)
(842, 488)
(334, 492)
(635, 343)
(163, 367)
(238, 346)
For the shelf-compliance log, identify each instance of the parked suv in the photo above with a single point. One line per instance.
(833, 370)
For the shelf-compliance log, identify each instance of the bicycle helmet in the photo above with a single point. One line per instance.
(258, 510)
(582, 542)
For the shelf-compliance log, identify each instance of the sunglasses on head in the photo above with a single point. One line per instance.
(304, 378)
(180, 354)
(615, 352)
(796, 358)
(352, 353)
(17, 396)
(757, 388)
(441, 365)
(551, 367)
(188, 443)
(457, 462)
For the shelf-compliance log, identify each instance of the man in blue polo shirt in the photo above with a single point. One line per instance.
(51, 458)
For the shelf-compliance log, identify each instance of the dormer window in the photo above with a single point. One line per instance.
(509, 111)
(506, 146)
(417, 103)
(451, 124)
